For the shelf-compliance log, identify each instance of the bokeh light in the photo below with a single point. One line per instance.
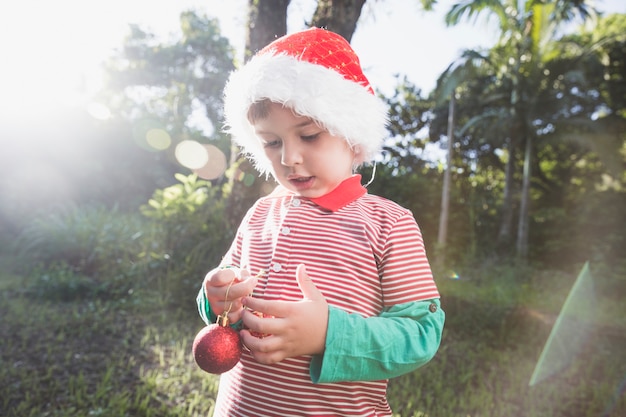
(215, 166)
(158, 139)
(150, 135)
(191, 154)
(245, 177)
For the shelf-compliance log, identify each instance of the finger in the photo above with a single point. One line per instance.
(222, 277)
(235, 315)
(265, 350)
(307, 286)
(257, 322)
(271, 308)
(242, 288)
(231, 298)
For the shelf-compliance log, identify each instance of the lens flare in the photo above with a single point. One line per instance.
(191, 154)
(570, 331)
(248, 180)
(215, 165)
(619, 392)
(158, 139)
(146, 135)
(453, 275)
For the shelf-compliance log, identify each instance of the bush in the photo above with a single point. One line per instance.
(87, 243)
(59, 282)
(92, 250)
(189, 236)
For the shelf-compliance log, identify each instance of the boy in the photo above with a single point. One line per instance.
(330, 285)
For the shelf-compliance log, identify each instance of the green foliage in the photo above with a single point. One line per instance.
(409, 114)
(72, 160)
(97, 252)
(559, 95)
(188, 237)
(82, 247)
(608, 38)
(407, 184)
(178, 201)
(485, 293)
(60, 282)
(169, 81)
(530, 87)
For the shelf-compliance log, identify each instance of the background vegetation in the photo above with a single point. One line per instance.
(100, 263)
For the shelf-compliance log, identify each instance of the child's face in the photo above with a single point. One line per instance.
(305, 157)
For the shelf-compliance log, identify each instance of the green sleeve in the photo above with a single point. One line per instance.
(206, 314)
(399, 340)
(204, 308)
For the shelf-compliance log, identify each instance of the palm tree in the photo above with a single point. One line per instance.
(526, 28)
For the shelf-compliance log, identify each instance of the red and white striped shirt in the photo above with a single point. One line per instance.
(363, 252)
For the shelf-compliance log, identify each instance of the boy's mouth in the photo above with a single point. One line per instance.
(301, 183)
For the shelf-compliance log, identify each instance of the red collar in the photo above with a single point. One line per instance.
(345, 193)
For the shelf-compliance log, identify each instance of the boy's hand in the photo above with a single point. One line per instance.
(221, 297)
(294, 328)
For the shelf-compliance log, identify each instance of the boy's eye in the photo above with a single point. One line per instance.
(308, 138)
(271, 143)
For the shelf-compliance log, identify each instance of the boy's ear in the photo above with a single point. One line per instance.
(358, 155)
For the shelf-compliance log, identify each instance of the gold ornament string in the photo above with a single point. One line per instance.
(226, 296)
(222, 319)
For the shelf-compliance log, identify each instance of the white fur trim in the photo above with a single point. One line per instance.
(344, 107)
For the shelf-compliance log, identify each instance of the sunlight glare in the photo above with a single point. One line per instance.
(51, 63)
(99, 111)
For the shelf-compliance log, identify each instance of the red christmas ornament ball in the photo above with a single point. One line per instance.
(259, 334)
(217, 348)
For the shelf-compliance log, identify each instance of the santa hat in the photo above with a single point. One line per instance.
(316, 73)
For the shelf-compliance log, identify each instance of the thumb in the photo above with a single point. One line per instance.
(307, 287)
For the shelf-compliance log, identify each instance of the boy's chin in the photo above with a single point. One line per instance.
(305, 193)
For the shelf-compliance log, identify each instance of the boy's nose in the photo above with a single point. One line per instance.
(291, 155)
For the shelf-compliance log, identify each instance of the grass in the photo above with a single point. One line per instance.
(97, 358)
(474, 378)
(131, 356)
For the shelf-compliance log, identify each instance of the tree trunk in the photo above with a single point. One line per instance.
(504, 234)
(523, 225)
(445, 193)
(339, 16)
(514, 136)
(267, 20)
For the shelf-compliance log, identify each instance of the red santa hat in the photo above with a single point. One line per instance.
(316, 73)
